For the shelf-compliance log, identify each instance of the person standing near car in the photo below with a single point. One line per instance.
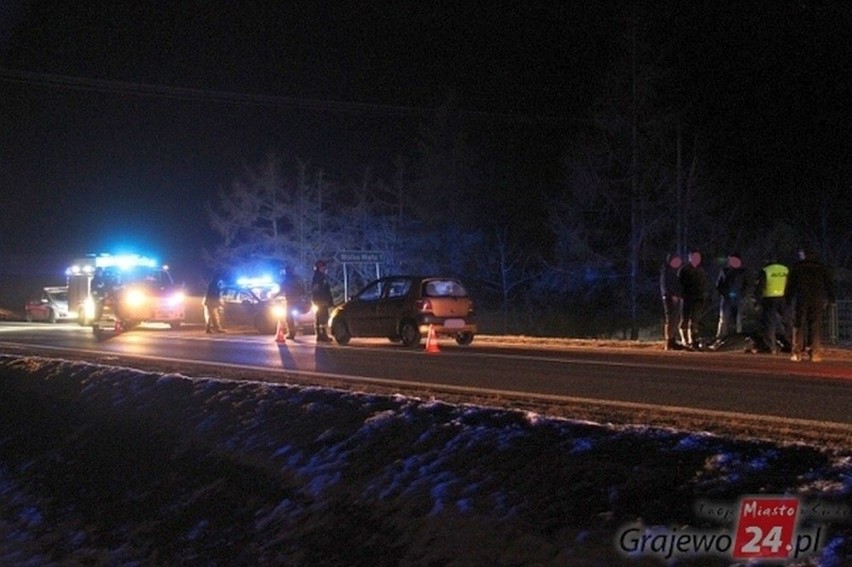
(769, 291)
(289, 288)
(213, 306)
(99, 292)
(731, 285)
(693, 284)
(672, 299)
(105, 288)
(321, 297)
(810, 289)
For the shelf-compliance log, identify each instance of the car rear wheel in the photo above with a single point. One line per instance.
(409, 334)
(464, 338)
(340, 332)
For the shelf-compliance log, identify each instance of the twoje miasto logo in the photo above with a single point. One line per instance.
(772, 528)
(766, 528)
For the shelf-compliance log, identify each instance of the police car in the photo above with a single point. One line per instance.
(254, 302)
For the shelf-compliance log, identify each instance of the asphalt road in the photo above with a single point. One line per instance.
(597, 383)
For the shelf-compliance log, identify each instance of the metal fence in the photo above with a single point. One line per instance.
(839, 322)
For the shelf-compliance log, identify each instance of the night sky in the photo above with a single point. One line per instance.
(121, 119)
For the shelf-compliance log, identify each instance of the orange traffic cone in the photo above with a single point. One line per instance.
(432, 341)
(280, 336)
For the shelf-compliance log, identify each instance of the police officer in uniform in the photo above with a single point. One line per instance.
(769, 291)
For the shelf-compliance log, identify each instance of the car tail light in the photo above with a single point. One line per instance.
(424, 305)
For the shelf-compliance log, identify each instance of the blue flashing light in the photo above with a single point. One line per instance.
(259, 281)
(124, 261)
(86, 266)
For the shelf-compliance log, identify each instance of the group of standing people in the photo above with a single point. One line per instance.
(791, 302)
(289, 287)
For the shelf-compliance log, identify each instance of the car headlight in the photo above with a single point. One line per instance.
(135, 298)
(176, 298)
(279, 311)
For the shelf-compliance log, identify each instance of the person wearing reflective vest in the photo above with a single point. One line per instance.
(771, 283)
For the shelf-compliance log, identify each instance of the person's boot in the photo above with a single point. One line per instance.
(797, 350)
(322, 336)
(690, 340)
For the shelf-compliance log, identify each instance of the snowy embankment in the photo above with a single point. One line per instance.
(109, 465)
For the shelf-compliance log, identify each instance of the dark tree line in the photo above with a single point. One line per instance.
(577, 253)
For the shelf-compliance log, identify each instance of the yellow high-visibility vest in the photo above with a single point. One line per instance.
(775, 280)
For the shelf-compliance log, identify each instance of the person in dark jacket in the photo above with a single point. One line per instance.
(290, 288)
(213, 306)
(672, 299)
(731, 284)
(810, 289)
(99, 289)
(693, 284)
(321, 297)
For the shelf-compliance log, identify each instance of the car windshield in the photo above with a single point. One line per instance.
(153, 278)
(238, 295)
(443, 288)
(60, 296)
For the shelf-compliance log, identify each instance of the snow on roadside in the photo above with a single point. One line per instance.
(115, 465)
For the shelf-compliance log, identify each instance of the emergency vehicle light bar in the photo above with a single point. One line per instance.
(124, 261)
(86, 266)
(261, 281)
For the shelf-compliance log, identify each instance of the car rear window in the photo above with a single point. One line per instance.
(444, 288)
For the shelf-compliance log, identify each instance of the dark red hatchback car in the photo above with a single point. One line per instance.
(403, 308)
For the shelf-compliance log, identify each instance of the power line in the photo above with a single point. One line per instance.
(85, 84)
